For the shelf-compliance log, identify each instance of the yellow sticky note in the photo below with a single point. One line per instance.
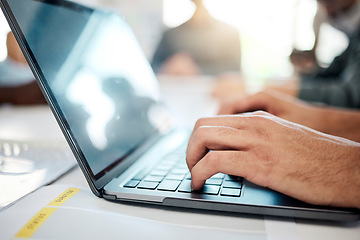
(30, 228)
(64, 197)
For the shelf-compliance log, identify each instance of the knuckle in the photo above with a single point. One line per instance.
(200, 134)
(262, 127)
(197, 124)
(201, 122)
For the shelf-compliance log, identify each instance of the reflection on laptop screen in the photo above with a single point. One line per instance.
(104, 85)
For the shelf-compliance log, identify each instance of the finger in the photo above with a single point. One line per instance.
(238, 163)
(228, 105)
(259, 101)
(241, 121)
(228, 121)
(216, 138)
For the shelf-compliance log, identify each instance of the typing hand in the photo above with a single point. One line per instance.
(272, 152)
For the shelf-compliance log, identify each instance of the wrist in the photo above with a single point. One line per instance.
(346, 191)
(354, 183)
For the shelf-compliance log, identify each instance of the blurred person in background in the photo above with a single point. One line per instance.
(337, 85)
(202, 45)
(17, 83)
(343, 15)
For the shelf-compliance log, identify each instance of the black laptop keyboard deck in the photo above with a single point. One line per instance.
(172, 174)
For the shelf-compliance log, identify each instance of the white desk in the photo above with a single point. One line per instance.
(38, 123)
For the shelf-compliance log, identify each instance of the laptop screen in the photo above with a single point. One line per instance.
(95, 75)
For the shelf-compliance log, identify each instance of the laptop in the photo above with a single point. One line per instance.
(107, 101)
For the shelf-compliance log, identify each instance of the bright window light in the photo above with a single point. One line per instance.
(268, 29)
(176, 12)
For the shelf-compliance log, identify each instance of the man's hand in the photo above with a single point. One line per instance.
(272, 152)
(278, 104)
(324, 119)
(180, 64)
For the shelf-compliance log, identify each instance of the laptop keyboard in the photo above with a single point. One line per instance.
(172, 174)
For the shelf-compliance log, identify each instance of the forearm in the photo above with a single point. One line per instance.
(340, 122)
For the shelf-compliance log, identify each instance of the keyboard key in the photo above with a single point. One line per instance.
(169, 185)
(182, 165)
(158, 173)
(214, 181)
(167, 164)
(185, 186)
(232, 184)
(231, 192)
(163, 167)
(180, 171)
(210, 189)
(151, 178)
(148, 185)
(132, 184)
(169, 161)
(140, 175)
(175, 177)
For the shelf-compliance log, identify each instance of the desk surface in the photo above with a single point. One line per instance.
(38, 123)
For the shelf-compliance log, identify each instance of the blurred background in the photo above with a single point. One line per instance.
(269, 30)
